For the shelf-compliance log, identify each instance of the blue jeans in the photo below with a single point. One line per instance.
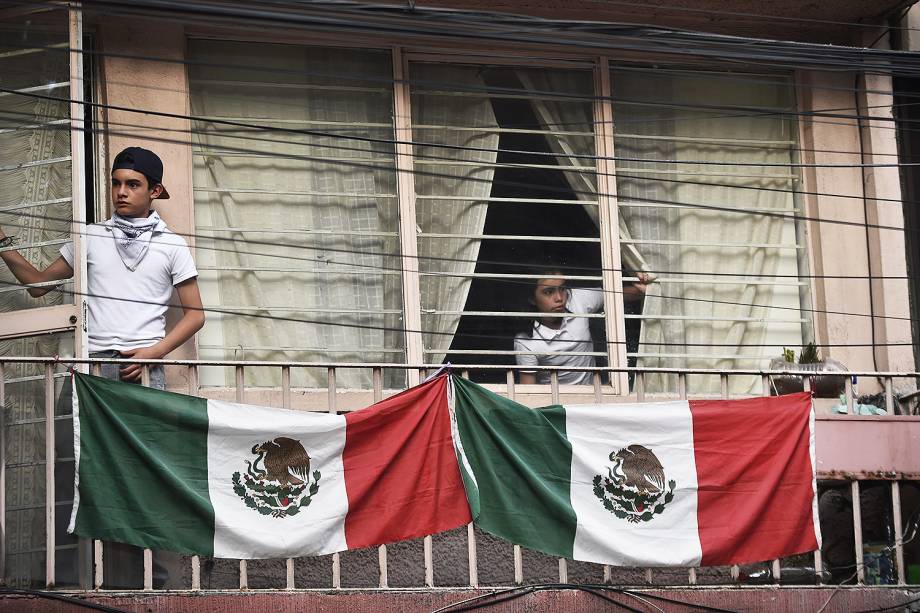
(110, 371)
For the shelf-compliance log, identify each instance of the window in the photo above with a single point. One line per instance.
(712, 213)
(505, 187)
(299, 218)
(295, 207)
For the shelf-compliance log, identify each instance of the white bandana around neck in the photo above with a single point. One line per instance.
(133, 235)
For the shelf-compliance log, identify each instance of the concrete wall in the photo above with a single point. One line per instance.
(131, 84)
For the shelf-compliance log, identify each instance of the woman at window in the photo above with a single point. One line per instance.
(558, 336)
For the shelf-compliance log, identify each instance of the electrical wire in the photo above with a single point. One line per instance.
(530, 282)
(458, 25)
(430, 332)
(618, 174)
(545, 188)
(49, 595)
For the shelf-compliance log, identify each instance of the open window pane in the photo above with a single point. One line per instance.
(506, 187)
(295, 206)
(705, 191)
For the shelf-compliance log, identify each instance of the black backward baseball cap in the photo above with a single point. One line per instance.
(143, 161)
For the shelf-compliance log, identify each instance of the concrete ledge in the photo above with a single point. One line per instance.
(747, 599)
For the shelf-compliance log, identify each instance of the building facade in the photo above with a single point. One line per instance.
(371, 191)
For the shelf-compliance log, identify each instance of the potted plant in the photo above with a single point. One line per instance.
(809, 361)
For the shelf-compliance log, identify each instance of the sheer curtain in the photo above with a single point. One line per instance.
(298, 226)
(568, 120)
(452, 191)
(36, 208)
(699, 224)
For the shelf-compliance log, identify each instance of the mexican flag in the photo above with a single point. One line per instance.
(168, 471)
(659, 484)
(683, 483)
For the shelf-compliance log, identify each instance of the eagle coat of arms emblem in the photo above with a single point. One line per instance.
(634, 488)
(281, 486)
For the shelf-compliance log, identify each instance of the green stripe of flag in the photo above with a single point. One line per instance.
(157, 463)
(522, 462)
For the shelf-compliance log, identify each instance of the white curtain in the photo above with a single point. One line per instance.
(452, 193)
(732, 258)
(561, 117)
(302, 228)
(35, 207)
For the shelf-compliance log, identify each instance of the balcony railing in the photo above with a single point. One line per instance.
(31, 389)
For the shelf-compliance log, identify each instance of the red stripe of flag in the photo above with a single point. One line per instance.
(401, 472)
(755, 477)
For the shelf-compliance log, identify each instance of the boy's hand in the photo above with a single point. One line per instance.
(133, 372)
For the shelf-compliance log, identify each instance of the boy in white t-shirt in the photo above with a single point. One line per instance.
(134, 262)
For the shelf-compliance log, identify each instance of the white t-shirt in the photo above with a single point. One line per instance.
(573, 335)
(127, 309)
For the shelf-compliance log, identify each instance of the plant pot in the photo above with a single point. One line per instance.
(822, 385)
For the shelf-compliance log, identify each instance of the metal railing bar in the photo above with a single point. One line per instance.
(643, 241)
(487, 165)
(477, 367)
(304, 271)
(848, 391)
(471, 551)
(148, 553)
(725, 208)
(729, 142)
(98, 565)
(192, 374)
(889, 396)
(495, 275)
(383, 577)
(898, 531)
(764, 320)
(37, 245)
(511, 352)
(40, 420)
(45, 162)
(331, 401)
(21, 287)
(46, 87)
(629, 170)
(35, 126)
(663, 280)
(32, 50)
(36, 203)
(297, 231)
(513, 237)
(517, 554)
(503, 95)
(682, 394)
(50, 507)
(500, 130)
(293, 309)
(276, 192)
(554, 394)
(240, 379)
(286, 404)
(857, 533)
(777, 566)
(500, 200)
(336, 89)
(708, 356)
(529, 314)
(361, 350)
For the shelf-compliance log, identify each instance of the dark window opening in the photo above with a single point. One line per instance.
(505, 256)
